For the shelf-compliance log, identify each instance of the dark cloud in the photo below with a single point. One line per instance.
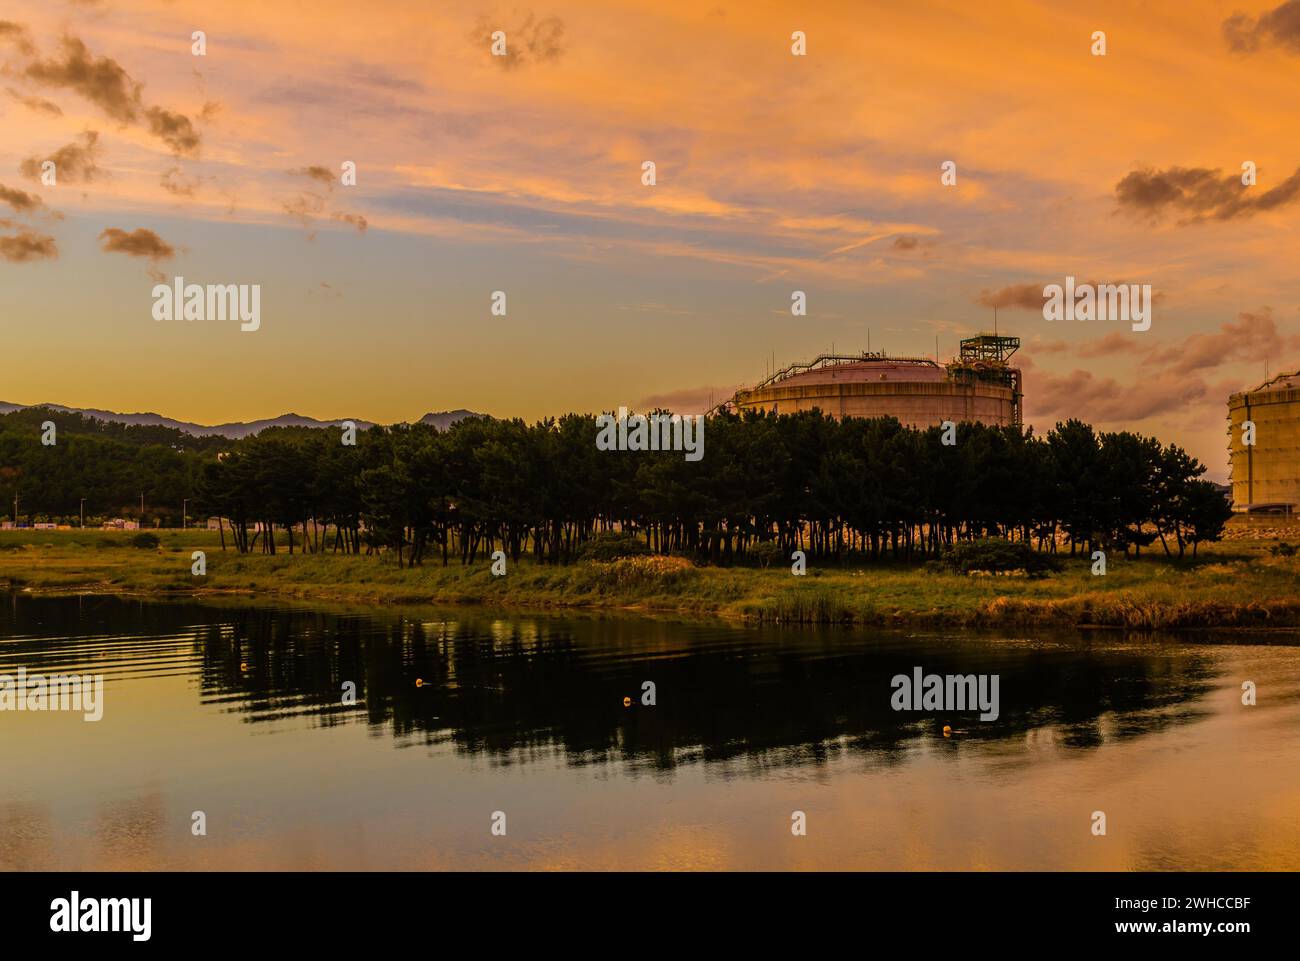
(17, 34)
(1030, 296)
(906, 242)
(356, 220)
(1200, 194)
(140, 242)
(318, 173)
(38, 104)
(528, 41)
(1080, 393)
(1047, 347)
(1280, 26)
(73, 163)
(1171, 377)
(26, 245)
(1024, 296)
(20, 200)
(101, 80)
(1254, 337)
(1239, 32)
(1116, 342)
(104, 82)
(173, 129)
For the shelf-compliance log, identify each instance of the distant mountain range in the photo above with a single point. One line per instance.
(442, 420)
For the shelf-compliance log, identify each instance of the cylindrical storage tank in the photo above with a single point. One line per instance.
(1266, 473)
(919, 393)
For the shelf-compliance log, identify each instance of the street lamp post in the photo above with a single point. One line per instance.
(83, 513)
(184, 515)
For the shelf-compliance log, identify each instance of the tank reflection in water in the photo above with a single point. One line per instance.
(239, 712)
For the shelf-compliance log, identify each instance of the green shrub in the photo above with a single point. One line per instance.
(145, 540)
(1283, 550)
(613, 545)
(1000, 556)
(766, 553)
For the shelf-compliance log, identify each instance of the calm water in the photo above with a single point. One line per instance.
(236, 712)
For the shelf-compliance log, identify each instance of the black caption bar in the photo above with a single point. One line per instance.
(139, 912)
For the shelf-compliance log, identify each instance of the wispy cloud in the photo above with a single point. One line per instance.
(140, 242)
(17, 35)
(73, 163)
(529, 39)
(106, 84)
(20, 200)
(309, 205)
(37, 104)
(175, 182)
(356, 220)
(26, 245)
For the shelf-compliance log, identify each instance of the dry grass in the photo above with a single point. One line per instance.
(1237, 585)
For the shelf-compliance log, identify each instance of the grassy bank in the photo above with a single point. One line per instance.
(1235, 584)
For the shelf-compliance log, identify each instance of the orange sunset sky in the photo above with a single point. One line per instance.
(478, 173)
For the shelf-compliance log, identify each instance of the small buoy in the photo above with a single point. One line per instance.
(627, 702)
(947, 731)
(419, 682)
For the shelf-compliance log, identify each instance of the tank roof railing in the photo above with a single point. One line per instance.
(835, 360)
(1273, 380)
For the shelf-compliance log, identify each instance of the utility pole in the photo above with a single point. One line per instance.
(142, 510)
(184, 505)
(83, 513)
